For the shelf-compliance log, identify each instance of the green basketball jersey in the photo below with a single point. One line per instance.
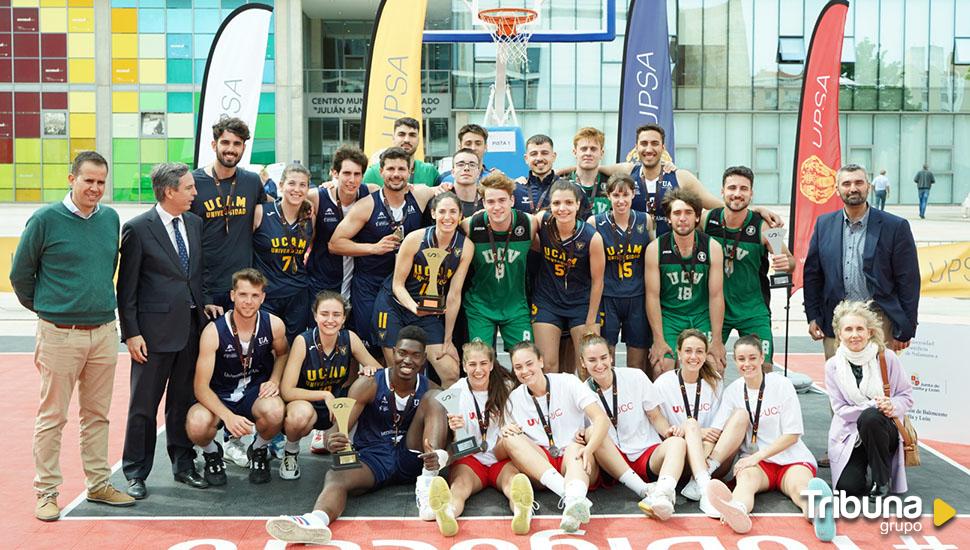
(497, 289)
(745, 266)
(596, 194)
(683, 281)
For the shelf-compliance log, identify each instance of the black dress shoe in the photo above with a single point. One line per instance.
(192, 479)
(137, 489)
(879, 490)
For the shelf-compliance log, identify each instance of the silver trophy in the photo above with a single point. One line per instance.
(776, 242)
(465, 443)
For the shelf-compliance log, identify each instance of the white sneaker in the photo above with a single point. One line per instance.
(235, 452)
(733, 513)
(290, 467)
(658, 504)
(523, 503)
(708, 509)
(306, 529)
(439, 499)
(318, 442)
(691, 491)
(575, 512)
(422, 489)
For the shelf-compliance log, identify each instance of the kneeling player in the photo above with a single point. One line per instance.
(241, 358)
(635, 451)
(317, 371)
(543, 445)
(484, 403)
(395, 414)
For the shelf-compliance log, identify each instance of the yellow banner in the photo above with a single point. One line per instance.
(8, 245)
(393, 88)
(944, 270)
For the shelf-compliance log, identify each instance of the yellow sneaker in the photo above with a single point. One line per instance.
(439, 499)
(523, 502)
(47, 508)
(107, 494)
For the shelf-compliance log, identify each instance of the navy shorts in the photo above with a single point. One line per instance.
(244, 406)
(564, 317)
(292, 310)
(391, 464)
(390, 317)
(629, 317)
(362, 297)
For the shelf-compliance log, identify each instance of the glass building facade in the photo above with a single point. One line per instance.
(123, 77)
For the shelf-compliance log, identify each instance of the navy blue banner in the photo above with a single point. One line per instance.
(646, 91)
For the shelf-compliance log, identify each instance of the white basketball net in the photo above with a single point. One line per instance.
(510, 48)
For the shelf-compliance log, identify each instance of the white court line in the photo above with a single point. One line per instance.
(945, 458)
(384, 518)
(84, 494)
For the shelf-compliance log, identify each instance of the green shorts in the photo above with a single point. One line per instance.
(759, 326)
(514, 329)
(673, 326)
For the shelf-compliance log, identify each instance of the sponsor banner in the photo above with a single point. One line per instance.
(233, 76)
(944, 271)
(646, 89)
(393, 85)
(817, 154)
(936, 363)
(346, 105)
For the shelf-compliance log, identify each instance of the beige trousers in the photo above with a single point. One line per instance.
(67, 358)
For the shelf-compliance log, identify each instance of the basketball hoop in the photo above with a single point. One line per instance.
(510, 41)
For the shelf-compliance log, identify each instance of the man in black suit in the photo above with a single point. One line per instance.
(160, 305)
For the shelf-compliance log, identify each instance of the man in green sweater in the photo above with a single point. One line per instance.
(407, 135)
(63, 271)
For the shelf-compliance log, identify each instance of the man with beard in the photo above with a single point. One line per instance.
(226, 200)
(407, 135)
(372, 232)
(653, 183)
(533, 191)
(684, 282)
(746, 260)
(395, 418)
(861, 254)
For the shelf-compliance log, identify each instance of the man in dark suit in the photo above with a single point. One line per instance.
(160, 305)
(861, 253)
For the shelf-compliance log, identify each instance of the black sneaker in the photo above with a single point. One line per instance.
(215, 469)
(258, 464)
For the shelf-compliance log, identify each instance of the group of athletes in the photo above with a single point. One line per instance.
(562, 265)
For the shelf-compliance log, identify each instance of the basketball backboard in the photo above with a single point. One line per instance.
(558, 20)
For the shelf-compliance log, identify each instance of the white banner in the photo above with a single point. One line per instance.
(233, 76)
(937, 366)
(350, 105)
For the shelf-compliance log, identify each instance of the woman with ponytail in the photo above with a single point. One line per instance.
(282, 232)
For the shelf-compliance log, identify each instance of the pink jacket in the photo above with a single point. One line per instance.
(843, 431)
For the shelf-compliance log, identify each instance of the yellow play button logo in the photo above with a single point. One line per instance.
(942, 512)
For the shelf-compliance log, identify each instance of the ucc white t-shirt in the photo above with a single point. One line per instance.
(568, 398)
(636, 395)
(781, 414)
(668, 386)
(467, 407)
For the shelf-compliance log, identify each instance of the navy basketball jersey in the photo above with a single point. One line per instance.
(564, 276)
(322, 371)
(419, 277)
(625, 260)
(229, 378)
(278, 251)
(645, 201)
(376, 424)
(326, 270)
(370, 271)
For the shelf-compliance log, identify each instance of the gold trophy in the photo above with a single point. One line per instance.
(340, 408)
(431, 300)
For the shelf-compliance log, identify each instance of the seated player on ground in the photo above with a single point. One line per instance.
(484, 407)
(395, 415)
(691, 396)
(634, 452)
(542, 445)
(773, 455)
(319, 369)
(237, 376)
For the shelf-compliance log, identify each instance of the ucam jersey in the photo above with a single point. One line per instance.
(375, 426)
(371, 270)
(568, 397)
(668, 385)
(781, 414)
(468, 412)
(636, 395)
(229, 380)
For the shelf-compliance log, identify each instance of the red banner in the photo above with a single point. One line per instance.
(817, 152)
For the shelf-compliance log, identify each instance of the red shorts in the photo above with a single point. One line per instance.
(556, 462)
(641, 466)
(777, 471)
(488, 475)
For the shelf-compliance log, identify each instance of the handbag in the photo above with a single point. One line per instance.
(905, 426)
